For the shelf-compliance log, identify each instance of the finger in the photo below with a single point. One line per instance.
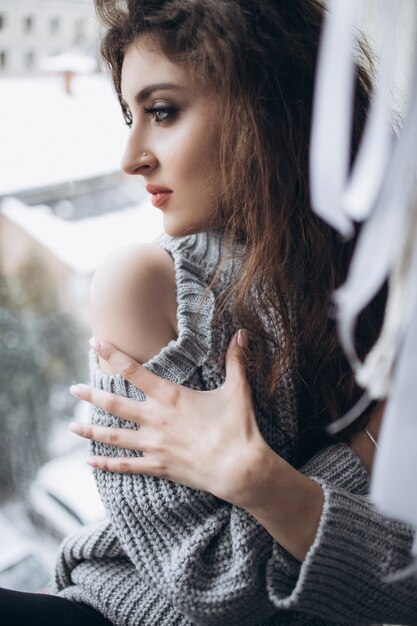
(126, 465)
(131, 370)
(125, 408)
(235, 362)
(117, 437)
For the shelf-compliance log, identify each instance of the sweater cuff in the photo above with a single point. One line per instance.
(290, 584)
(354, 549)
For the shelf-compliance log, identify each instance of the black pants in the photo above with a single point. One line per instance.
(18, 608)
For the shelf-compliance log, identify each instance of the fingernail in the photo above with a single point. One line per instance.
(96, 345)
(75, 428)
(242, 338)
(92, 462)
(75, 391)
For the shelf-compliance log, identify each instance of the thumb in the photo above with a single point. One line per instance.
(235, 358)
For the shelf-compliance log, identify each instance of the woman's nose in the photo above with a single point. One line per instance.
(137, 160)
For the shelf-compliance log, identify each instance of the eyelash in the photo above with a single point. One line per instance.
(128, 119)
(153, 111)
(168, 111)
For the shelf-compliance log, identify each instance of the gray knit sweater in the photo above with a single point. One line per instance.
(169, 555)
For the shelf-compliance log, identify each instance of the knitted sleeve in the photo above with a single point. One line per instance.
(186, 556)
(203, 556)
(92, 568)
(343, 575)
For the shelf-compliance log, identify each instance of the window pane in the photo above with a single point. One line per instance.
(79, 31)
(54, 25)
(67, 205)
(29, 60)
(28, 24)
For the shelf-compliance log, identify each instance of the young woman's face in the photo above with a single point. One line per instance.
(173, 140)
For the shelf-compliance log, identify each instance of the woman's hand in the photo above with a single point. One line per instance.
(207, 440)
(197, 438)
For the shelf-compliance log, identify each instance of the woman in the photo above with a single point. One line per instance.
(218, 97)
(209, 521)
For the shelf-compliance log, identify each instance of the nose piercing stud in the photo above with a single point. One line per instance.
(144, 154)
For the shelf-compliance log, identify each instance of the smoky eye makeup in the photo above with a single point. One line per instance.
(161, 112)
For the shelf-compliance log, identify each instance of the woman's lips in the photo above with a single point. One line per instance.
(158, 199)
(159, 194)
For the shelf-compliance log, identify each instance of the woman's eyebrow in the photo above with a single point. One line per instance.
(144, 93)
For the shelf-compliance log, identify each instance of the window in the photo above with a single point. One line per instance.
(79, 35)
(29, 59)
(28, 24)
(54, 25)
(44, 326)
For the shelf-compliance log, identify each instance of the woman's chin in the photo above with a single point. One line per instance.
(177, 229)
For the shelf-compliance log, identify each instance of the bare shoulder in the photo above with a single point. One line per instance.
(133, 300)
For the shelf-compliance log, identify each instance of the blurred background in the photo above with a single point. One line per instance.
(64, 205)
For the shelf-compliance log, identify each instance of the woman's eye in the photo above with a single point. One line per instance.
(161, 113)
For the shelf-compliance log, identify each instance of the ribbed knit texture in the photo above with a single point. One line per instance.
(342, 576)
(170, 555)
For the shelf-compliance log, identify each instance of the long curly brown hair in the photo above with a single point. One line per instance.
(259, 59)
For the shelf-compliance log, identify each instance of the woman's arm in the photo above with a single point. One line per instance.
(133, 301)
(230, 467)
(290, 498)
(133, 306)
(210, 441)
(92, 568)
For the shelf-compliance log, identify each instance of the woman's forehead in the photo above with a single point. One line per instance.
(144, 64)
